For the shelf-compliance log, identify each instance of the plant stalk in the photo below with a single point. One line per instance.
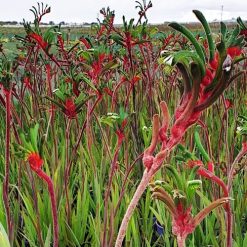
(181, 241)
(50, 185)
(147, 175)
(7, 93)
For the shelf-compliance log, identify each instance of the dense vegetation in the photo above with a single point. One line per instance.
(127, 135)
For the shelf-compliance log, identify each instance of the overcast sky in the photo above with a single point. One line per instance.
(87, 10)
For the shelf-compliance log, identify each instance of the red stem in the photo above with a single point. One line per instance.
(7, 164)
(207, 174)
(72, 158)
(108, 190)
(49, 183)
(181, 241)
(147, 175)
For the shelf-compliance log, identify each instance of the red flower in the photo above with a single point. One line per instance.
(38, 38)
(207, 79)
(182, 222)
(70, 108)
(228, 103)
(214, 62)
(35, 161)
(86, 43)
(234, 51)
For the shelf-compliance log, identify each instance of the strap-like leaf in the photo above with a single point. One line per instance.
(200, 147)
(206, 27)
(188, 34)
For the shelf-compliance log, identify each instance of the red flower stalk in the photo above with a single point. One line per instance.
(183, 223)
(197, 98)
(70, 108)
(26, 81)
(85, 42)
(185, 117)
(36, 162)
(198, 95)
(97, 67)
(234, 51)
(120, 136)
(206, 173)
(40, 41)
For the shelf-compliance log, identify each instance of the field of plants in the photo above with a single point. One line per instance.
(125, 136)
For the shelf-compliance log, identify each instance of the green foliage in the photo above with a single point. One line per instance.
(119, 76)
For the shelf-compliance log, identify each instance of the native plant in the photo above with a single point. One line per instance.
(206, 74)
(30, 151)
(77, 108)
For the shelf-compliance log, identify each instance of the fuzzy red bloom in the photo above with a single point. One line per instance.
(38, 38)
(234, 51)
(182, 223)
(35, 161)
(70, 108)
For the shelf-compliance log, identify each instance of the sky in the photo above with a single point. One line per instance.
(88, 10)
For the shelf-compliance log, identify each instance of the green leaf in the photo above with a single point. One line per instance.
(177, 178)
(245, 240)
(86, 55)
(48, 238)
(186, 57)
(86, 80)
(34, 137)
(200, 147)
(157, 215)
(206, 27)
(188, 34)
(233, 36)
(192, 186)
(4, 241)
(59, 94)
(223, 30)
(27, 145)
